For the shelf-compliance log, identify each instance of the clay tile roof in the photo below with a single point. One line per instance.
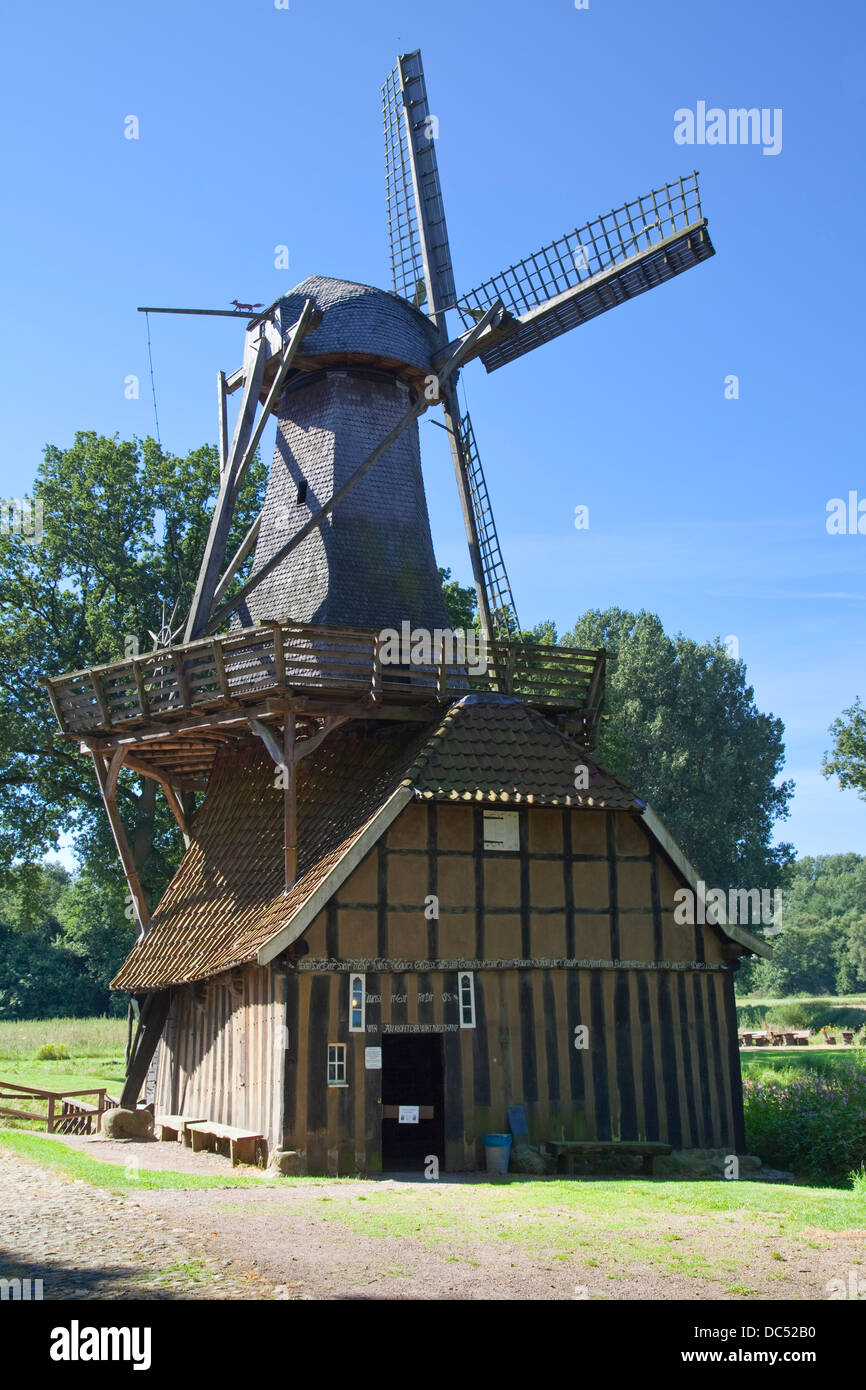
(227, 900)
(493, 748)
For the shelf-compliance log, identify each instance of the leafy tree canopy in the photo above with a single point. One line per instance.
(124, 528)
(683, 728)
(822, 945)
(848, 758)
(460, 601)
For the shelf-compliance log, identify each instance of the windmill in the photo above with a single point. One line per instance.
(574, 278)
(341, 549)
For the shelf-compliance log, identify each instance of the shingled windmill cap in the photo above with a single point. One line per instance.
(361, 321)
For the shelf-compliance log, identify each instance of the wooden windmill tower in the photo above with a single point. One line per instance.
(315, 755)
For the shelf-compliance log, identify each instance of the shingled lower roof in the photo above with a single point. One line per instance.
(227, 902)
(494, 748)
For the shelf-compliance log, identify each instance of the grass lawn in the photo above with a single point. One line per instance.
(96, 1050)
(813, 1011)
(553, 1203)
(54, 1154)
(645, 1219)
(83, 1037)
(801, 1058)
(834, 1000)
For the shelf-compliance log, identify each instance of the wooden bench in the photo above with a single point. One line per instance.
(173, 1127)
(566, 1151)
(207, 1134)
(801, 1039)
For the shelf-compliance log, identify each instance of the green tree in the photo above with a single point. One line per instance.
(41, 974)
(848, 758)
(124, 529)
(683, 728)
(822, 945)
(460, 601)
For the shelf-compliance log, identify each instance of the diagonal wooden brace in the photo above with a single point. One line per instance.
(108, 788)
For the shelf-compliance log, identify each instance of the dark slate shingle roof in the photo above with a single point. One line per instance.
(360, 318)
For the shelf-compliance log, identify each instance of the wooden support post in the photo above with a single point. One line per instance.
(154, 1011)
(290, 801)
(309, 745)
(143, 702)
(244, 443)
(220, 668)
(49, 686)
(237, 560)
(50, 1128)
(182, 682)
(279, 658)
(117, 760)
(142, 912)
(268, 739)
(223, 420)
(177, 810)
(99, 692)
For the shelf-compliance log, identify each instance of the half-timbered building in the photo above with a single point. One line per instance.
(411, 897)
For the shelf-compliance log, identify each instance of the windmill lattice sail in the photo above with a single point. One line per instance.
(612, 259)
(503, 611)
(420, 259)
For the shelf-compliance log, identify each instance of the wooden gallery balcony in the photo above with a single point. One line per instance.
(187, 699)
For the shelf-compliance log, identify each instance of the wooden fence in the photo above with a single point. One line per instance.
(66, 1113)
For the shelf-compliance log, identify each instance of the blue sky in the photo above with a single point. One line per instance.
(261, 127)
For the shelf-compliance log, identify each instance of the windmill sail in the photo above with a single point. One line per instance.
(618, 256)
(420, 255)
(500, 601)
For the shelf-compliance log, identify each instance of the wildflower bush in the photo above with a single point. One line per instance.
(811, 1121)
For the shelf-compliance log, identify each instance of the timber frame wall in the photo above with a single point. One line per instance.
(222, 1051)
(574, 928)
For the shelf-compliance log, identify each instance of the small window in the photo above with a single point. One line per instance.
(466, 991)
(356, 1003)
(501, 830)
(336, 1064)
(302, 491)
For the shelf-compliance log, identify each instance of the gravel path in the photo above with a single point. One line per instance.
(382, 1239)
(84, 1242)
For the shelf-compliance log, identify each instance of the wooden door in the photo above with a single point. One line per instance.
(412, 1076)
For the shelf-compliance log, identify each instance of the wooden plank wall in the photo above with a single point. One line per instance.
(223, 1052)
(575, 928)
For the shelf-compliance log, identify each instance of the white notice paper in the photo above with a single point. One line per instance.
(372, 1058)
(407, 1114)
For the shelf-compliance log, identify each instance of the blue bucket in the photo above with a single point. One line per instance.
(497, 1151)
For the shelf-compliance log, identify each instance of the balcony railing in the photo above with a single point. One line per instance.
(323, 666)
